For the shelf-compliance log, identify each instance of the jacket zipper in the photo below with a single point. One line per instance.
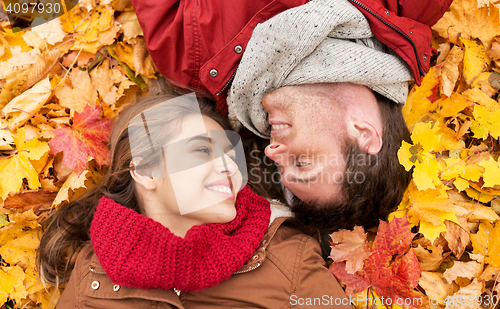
(227, 84)
(247, 270)
(393, 28)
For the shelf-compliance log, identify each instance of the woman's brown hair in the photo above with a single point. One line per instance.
(68, 228)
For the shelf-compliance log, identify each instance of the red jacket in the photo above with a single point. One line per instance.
(198, 44)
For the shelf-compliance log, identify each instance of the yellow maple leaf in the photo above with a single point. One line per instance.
(466, 19)
(16, 39)
(11, 284)
(474, 59)
(418, 104)
(94, 30)
(429, 209)
(491, 175)
(450, 107)
(455, 170)
(22, 250)
(425, 140)
(485, 123)
(485, 242)
(18, 167)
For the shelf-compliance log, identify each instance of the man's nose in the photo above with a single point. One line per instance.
(276, 152)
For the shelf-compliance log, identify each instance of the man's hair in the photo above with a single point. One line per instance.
(383, 183)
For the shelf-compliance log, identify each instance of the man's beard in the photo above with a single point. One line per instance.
(330, 216)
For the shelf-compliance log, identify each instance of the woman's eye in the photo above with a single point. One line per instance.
(204, 149)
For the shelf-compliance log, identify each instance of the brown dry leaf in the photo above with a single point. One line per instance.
(474, 59)
(73, 182)
(429, 261)
(130, 25)
(13, 85)
(468, 270)
(449, 70)
(435, 286)
(143, 62)
(473, 289)
(494, 51)
(29, 102)
(121, 5)
(19, 60)
(443, 50)
(457, 236)
(79, 94)
(464, 128)
(104, 79)
(37, 200)
(490, 273)
(46, 65)
(350, 246)
(466, 19)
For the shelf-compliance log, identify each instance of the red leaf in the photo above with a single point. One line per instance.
(389, 277)
(85, 138)
(354, 282)
(393, 238)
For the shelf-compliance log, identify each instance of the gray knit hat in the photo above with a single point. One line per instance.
(323, 41)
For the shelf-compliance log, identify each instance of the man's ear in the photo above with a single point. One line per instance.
(365, 132)
(148, 182)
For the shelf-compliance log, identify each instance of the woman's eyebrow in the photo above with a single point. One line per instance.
(200, 137)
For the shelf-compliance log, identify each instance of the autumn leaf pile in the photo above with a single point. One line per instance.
(61, 84)
(441, 248)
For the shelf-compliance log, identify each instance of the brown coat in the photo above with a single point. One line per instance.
(286, 271)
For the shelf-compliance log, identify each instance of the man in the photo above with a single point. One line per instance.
(319, 74)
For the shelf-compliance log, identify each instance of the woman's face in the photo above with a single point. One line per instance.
(200, 186)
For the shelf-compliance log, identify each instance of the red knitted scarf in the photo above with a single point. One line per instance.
(136, 251)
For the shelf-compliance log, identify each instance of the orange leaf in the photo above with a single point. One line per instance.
(350, 246)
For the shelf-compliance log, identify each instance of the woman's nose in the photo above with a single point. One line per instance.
(276, 152)
(228, 167)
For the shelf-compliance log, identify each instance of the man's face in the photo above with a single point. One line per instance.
(308, 133)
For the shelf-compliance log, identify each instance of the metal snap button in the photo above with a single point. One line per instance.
(424, 57)
(95, 285)
(411, 32)
(116, 287)
(387, 12)
(213, 72)
(238, 49)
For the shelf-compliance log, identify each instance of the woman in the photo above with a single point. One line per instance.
(169, 228)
